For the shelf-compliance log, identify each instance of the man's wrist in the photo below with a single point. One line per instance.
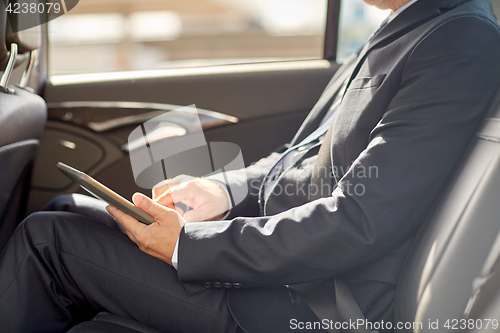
(224, 187)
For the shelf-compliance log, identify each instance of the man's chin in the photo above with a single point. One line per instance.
(380, 4)
(386, 4)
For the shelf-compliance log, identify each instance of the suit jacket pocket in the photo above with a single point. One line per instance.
(367, 82)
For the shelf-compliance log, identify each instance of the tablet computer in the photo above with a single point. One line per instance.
(102, 192)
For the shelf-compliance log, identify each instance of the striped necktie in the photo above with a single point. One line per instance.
(382, 25)
(374, 33)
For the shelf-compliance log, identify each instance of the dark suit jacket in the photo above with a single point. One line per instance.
(413, 103)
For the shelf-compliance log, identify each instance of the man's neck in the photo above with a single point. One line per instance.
(393, 5)
(401, 9)
(397, 4)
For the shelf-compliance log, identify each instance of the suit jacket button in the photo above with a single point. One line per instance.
(217, 285)
(236, 285)
(228, 285)
(207, 285)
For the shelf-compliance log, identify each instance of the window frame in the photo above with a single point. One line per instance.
(332, 30)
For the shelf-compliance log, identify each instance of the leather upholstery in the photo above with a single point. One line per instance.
(15, 159)
(22, 116)
(22, 120)
(451, 250)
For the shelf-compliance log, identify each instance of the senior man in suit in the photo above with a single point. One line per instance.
(374, 153)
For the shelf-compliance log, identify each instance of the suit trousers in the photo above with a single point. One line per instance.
(65, 265)
(61, 268)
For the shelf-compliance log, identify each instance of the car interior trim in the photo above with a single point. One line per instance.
(208, 119)
(332, 30)
(58, 80)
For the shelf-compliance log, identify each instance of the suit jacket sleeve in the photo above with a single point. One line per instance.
(449, 79)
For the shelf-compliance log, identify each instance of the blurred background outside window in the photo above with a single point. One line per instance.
(118, 35)
(357, 22)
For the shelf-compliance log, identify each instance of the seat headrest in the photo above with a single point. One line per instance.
(27, 40)
(23, 29)
(20, 33)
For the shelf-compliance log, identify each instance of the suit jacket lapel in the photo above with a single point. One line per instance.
(314, 117)
(414, 16)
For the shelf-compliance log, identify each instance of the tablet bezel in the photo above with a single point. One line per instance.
(102, 192)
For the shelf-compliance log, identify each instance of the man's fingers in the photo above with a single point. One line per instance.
(166, 184)
(165, 199)
(158, 212)
(131, 225)
(179, 210)
(159, 188)
(173, 195)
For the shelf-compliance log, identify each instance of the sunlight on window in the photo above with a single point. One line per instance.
(85, 28)
(357, 22)
(294, 17)
(163, 25)
(122, 35)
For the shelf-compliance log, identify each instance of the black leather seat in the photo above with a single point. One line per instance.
(22, 120)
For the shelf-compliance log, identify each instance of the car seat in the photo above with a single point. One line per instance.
(22, 120)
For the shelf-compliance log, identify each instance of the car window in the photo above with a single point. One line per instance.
(102, 36)
(357, 22)
(496, 8)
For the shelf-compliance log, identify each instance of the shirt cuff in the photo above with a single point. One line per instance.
(175, 256)
(224, 186)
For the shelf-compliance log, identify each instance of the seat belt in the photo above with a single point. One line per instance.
(345, 308)
(332, 302)
(327, 302)
(348, 309)
(318, 295)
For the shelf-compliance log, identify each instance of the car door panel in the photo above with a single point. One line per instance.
(265, 105)
(244, 91)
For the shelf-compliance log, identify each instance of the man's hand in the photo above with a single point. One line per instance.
(207, 198)
(157, 239)
(166, 184)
